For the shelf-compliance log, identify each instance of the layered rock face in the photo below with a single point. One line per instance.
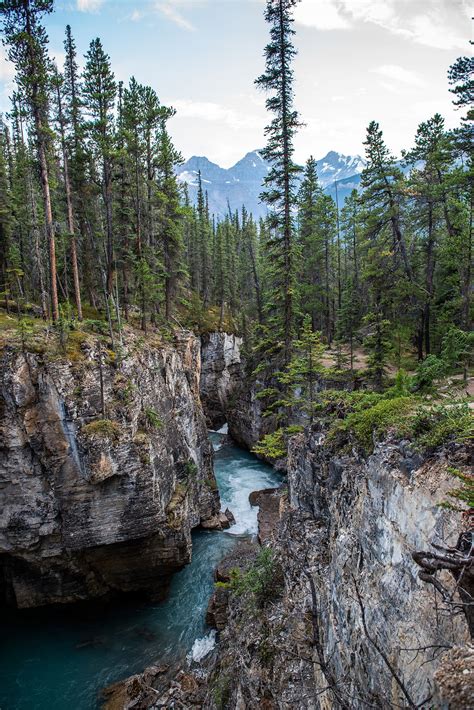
(220, 375)
(93, 504)
(353, 626)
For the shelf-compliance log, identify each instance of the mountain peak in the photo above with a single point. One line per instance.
(242, 183)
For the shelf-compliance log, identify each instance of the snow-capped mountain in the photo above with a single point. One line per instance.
(335, 166)
(242, 183)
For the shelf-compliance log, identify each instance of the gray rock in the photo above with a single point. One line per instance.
(89, 508)
(220, 375)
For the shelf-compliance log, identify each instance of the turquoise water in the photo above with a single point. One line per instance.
(59, 659)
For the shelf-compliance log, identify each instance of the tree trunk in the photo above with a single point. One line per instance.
(70, 214)
(49, 226)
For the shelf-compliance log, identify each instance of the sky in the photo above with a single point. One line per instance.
(358, 60)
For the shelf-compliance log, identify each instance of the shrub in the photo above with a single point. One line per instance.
(153, 419)
(431, 369)
(272, 446)
(464, 494)
(102, 429)
(262, 582)
(190, 468)
(365, 423)
(433, 426)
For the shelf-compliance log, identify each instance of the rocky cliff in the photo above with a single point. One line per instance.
(221, 375)
(352, 625)
(99, 494)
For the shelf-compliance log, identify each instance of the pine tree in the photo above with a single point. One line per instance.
(202, 243)
(61, 120)
(427, 185)
(6, 215)
(171, 218)
(99, 93)
(461, 80)
(279, 193)
(27, 49)
(301, 373)
(317, 229)
(380, 180)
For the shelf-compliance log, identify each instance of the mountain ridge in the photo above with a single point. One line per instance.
(241, 184)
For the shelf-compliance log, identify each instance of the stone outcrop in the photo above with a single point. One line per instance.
(247, 425)
(354, 626)
(248, 416)
(269, 504)
(220, 375)
(93, 504)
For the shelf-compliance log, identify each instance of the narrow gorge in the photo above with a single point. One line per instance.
(104, 507)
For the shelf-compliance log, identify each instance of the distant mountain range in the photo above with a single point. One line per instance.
(242, 183)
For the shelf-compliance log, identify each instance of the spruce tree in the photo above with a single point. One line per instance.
(62, 121)
(27, 42)
(99, 93)
(279, 192)
(317, 229)
(171, 218)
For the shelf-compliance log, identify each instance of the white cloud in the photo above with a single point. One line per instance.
(432, 31)
(89, 5)
(136, 15)
(434, 23)
(322, 14)
(58, 57)
(399, 74)
(7, 70)
(209, 111)
(169, 9)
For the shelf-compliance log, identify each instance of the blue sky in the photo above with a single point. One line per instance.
(358, 60)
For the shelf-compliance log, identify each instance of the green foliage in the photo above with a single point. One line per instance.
(431, 369)
(221, 689)
(378, 345)
(457, 348)
(401, 386)
(464, 494)
(95, 326)
(365, 417)
(300, 375)
(432, 426)
(191, 469)
(105, 429)
(456, 352)
(367, 423)
(153, 420)
(262, 582)
(272, 446)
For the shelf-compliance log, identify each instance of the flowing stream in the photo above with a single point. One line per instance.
(59, 659)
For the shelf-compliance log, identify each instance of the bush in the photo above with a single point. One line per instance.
(153, 419)
(431, 369)
(365, 423)
(464, 494)
(102, 429)
(262, 582)
(433, 426)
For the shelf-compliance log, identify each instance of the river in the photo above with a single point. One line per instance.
(59, 659)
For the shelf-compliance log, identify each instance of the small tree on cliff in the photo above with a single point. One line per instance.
(302, 371)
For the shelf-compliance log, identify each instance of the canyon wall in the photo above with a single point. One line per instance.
(95, 502)
(350, 624)
(221, 375)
